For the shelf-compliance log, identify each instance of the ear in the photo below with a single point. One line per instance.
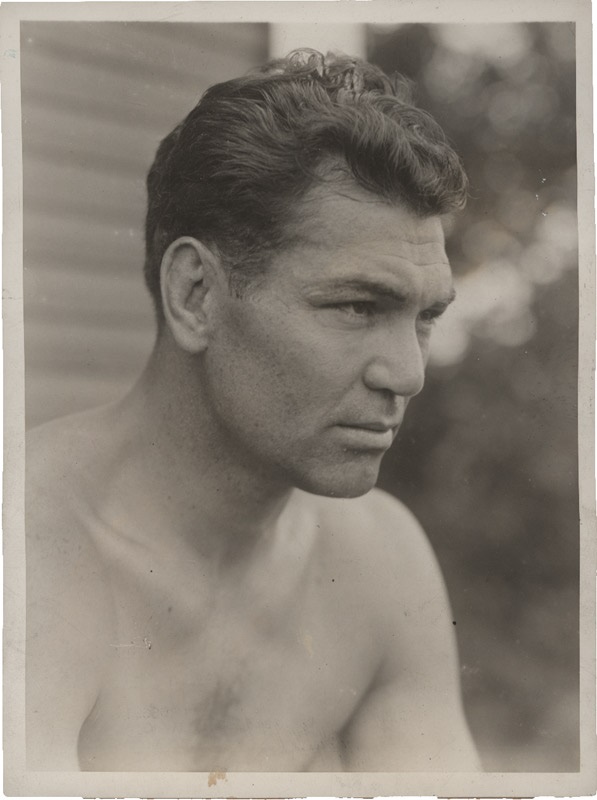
(186, 276)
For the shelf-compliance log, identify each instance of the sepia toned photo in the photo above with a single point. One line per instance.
(294, 497)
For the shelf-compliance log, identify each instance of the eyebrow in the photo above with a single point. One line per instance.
(382, 289)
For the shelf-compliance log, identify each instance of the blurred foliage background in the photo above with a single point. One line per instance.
(487, 458)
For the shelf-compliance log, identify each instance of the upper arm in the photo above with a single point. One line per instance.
(412, 717)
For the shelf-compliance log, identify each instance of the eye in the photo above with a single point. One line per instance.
(430, 315)
(360, 308)
(354, 310)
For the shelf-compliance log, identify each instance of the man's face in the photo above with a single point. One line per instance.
(309, 374)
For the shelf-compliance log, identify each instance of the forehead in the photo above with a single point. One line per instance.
(347, 233)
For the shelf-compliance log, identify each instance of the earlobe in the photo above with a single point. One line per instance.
(185, 274)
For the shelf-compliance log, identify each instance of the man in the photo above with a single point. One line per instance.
(213, 582)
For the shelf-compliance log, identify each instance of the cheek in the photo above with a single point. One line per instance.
(310, 366)
(276, 358)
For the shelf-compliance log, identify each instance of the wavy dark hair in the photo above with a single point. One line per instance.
(233, 171)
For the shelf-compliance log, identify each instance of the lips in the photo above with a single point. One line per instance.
(381, 427)
(373, 436)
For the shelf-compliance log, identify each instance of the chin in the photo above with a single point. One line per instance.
(346, 480)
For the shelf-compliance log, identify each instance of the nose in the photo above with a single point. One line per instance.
(398, 367)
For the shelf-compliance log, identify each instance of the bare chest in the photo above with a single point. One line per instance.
(240, 690)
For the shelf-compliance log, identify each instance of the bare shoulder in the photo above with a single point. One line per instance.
(66, 594)
(383, 516)
(59, 448)
(411, 594)
(412, 716)
(55, 461)
(381, 538)
(377, 549)
(63, 462)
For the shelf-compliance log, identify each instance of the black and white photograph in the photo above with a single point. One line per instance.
(299, 334)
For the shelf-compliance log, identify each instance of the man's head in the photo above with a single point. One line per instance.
(317, 187)
(234, 172)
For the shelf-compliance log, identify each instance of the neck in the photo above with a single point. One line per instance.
(200, 488)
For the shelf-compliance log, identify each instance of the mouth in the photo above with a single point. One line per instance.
(376, 426)
(376, 435)
(380, 427)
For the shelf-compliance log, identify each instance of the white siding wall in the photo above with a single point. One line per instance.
(96, 100)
